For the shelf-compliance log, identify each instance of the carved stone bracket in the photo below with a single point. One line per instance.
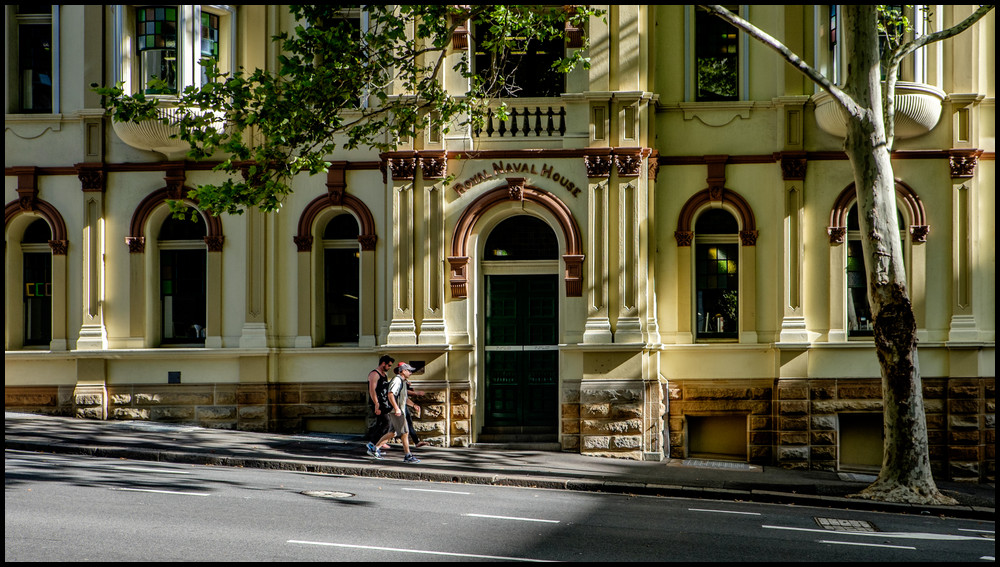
(748, 237)
(653, 168)
(574, 275)
(918, 233)
(459, 279)
(403, 168)
(136, 244)
(27, 187)
(963, 163)
(303, 243)
(684, 237)
(838, 234)
(434, 165)
(460, 35)
(336, 182)
(367, 241)
(629, 164)
(214, 242)
(174, 181)
(598, 165)
(91, 177)
(793, 166)
(59, 247)
(716, 176)
(516, 187)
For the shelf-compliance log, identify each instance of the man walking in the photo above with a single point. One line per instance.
(378, 385)
(397, 418)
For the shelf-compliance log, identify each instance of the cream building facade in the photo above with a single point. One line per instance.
(656, 261)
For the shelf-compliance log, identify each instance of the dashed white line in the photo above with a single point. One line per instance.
(438, 491)
(424, 551)
(868, 544)
(511, 518)
(162, 491)
(900, 535)
(723, 511)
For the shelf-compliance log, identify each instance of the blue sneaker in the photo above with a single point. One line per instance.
(409, 458)
(373, 451)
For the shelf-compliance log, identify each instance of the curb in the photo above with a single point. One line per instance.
(580, 485)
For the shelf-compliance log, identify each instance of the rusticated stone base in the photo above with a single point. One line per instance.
(795, 423)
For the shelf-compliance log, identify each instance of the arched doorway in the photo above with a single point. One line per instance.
(520, 267)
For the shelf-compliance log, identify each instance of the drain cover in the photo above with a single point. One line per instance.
(704, 463)
(836, 525)
(327, 494)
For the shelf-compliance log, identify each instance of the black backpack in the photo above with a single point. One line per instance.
(382, 394)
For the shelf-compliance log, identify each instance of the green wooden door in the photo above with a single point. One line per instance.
(522, 360)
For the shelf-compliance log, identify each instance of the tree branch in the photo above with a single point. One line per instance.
(794, 60)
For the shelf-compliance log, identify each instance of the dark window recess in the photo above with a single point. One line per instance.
(716, 58)
(341, 293)
(522, 238)
(37, 298)
(342, 227)
(34, 58)
(183, 229)
(182, 296)
(859, 313)
(525, 69)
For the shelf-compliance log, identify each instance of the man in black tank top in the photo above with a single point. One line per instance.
(378, 399)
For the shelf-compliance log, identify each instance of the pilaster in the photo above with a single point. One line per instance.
(93, 333)
(402, 327)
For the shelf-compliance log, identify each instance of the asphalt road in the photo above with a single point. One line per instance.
(72, 508)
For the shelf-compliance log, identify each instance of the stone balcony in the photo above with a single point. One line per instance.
(154, 135)
(918, 110)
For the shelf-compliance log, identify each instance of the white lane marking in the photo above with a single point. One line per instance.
(438, 491)
(511, 518)
(977, 531)
(144, 469)
(424, 551)
(162, 491)
(988, 558)
(901, 535)
(723, 511)
(867, 544)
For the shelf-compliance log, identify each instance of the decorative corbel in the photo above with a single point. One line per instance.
(963, 163)
(684, 237)
(174, 180)
(716, 176)
(434, 165)
(27, 187)
(459, 279)
(598, 165)
(793, 166)
(516, 187)
(574, 275)
(336, 182)
(91, 177)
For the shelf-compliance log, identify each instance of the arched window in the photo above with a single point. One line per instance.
(522, 238)
(341, 282)
(37, 282)
(859, 313)
(181, 244)
(717, 251)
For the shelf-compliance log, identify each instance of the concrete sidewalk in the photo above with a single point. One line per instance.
(339, 454)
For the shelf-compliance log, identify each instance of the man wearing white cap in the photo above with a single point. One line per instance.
(397, 419)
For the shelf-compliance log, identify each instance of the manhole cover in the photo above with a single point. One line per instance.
(327, 494)
(837, 525)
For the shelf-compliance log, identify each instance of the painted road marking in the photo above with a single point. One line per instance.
(162, 491)
(901, 535)
(511, 518)
(868, 544)
(724, 511)
(438, 491)
(423, 551)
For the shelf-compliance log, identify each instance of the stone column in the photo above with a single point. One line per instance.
(402, 328)
(793, 321)
(628, 328)
(433, 167)
(963, 327)
(254, 334)
(93, 333)
(303, 333)
(598, 326)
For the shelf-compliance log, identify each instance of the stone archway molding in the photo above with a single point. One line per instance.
(904, 194)
(367, 238)
(136, 239)
(515, 190)
(748, 226)
(59, 242)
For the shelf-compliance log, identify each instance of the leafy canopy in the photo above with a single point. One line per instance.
(338, 86)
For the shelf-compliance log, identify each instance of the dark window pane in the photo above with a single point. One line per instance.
(522, 238)
(716, 221)
(37, 232)
(183, 229)
(156, 41)
(716, 57)
(342, 227)
(35, 62)
(182, 295)
(341, 292)
(717, 284)
(526, 69)
(37, 298)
